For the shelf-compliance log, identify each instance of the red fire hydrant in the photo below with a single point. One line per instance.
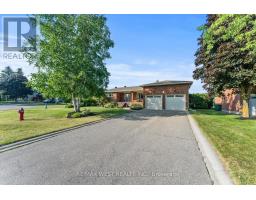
(21, 112)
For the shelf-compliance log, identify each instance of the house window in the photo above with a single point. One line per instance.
(109, 95)
(139, 96)
(127, 97)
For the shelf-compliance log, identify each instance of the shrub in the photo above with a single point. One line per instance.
(200, 101)
(87, 112)
(136, 106)
(103, 100)
(76, 115)
(91, 101)
(73, 115)
(68, 105)
(84, 113)
(111, 105)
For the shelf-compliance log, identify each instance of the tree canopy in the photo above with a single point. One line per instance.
(70, 56)
(226, 57)
(14, 84)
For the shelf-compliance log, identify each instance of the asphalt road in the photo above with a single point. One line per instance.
(144, 147)
(14, 106)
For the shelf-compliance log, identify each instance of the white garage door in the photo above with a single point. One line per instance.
(252, 104)
(153, 102)
(175, 102)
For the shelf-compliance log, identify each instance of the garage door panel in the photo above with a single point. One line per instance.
(154, 102)
(252, 104)
(175, 102)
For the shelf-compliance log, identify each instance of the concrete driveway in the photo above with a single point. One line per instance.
(143, 147)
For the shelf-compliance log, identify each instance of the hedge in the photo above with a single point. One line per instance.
(200, 101)
(136, 106)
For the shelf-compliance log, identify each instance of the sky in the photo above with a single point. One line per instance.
(147, 48)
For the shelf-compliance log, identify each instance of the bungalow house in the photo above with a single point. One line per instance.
(160, 95)
(232, 103)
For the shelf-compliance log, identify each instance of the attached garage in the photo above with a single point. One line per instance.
(159, 95)
(167, 95)
(175, 102)
(154, 102)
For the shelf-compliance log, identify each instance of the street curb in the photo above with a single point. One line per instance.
(28, 141)
(213, 163)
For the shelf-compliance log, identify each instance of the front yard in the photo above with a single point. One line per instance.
(235, 141)
(39, 121)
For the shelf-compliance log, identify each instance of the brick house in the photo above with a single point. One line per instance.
(232, 102)
(160, 95)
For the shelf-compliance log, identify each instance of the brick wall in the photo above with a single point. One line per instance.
(171, 89)
(133, 96)
(230, 101)
(218, 100)
(117, 96)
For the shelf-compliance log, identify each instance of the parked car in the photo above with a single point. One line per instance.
(57, 100)
(52, 100)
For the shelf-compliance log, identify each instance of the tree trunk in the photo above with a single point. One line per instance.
(245, 94)
(245, 109)
(76, 103)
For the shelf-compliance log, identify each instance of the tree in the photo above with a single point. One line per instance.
(14, 84)
(227, 55)
(4, 79)
(70, 56)
(204, 62)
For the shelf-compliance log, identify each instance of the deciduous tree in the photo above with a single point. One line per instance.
(70, 56)
(14, 84)
(226, 58)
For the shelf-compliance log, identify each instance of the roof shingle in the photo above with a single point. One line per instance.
(125, 89)
(140, 88)
(167, 82)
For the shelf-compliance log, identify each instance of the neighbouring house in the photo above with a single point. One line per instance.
(232, 102)
(160, 95)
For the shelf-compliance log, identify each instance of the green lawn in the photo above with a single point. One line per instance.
(39, 121)
(235, 141)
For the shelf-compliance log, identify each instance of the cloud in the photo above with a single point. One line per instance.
(15, 60)
(139, 72)
(121, 71)
(125, 74)
(146, 62)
